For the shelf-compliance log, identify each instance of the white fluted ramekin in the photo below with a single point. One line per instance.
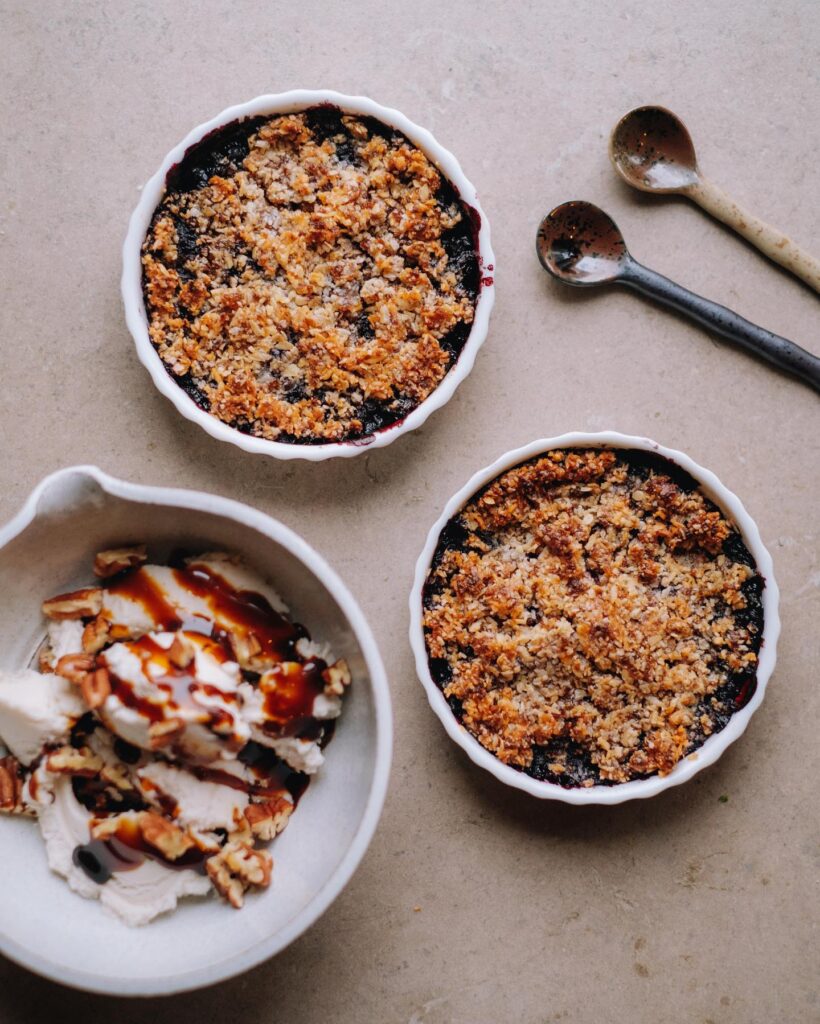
(714, 746)
(152, 193)
(48, 547)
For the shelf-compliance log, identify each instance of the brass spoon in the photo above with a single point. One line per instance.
(581, 245)
(652, 150)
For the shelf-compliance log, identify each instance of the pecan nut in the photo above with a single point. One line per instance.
(236, 868)
(74, 667)
(229, 887)
(96, 635)
(11, 785)
(248, 651)
(336, 677)
(45, 659)
(164, 835)
(116, 775)
(181, 652)
(115, 560)
(269, 818)
(104, 828)
(95, 688)
(241, 831)
(77, 604)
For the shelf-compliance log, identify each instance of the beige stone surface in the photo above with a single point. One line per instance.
(699, 906)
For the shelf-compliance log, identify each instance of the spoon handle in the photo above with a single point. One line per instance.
(777, 350)
(769, 240)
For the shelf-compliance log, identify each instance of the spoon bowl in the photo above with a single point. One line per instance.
(581, 245)
(652, 150)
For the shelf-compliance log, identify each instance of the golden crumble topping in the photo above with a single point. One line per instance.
(592, 617)
(309, 278)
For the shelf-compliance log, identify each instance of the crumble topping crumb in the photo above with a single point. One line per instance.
(592, 617)
(309, 278)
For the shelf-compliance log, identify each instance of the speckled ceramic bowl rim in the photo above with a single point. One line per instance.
(265, 525)
(716, 744)
(152, 192)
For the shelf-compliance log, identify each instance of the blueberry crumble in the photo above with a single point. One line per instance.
(591, 617)
(309, 278)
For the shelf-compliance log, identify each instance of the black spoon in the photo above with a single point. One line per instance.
(581, 245)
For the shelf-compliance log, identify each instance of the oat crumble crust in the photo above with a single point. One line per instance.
(592, 617)
(309, 278)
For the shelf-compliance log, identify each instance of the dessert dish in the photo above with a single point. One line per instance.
(175, 719)
(591, 618)
(49, 546)
(309, 277)
(308, 274)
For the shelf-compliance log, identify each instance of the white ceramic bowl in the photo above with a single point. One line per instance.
(705, 755)
(287, 103)
(48, 547)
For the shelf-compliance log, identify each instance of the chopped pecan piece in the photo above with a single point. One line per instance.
(102, 828)
(181, 652)
(226, 885)
(206, 842)
(74, 667)
(95, 687)
(161, 734)
(78, 604)
(241, 832)
(337, 677)
(268, 819)
(109, 563)
(236, 868)
(11, 786)
(45, 659)
(74, 761)
(115, 774)
(248, 652)
(96, 635)
(167, 837)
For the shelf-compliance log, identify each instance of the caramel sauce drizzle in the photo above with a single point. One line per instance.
(273, 781)
(181, 685)
(289, 694)
(244, 610)
(288, 700)
(138, 586)
(126, 850)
